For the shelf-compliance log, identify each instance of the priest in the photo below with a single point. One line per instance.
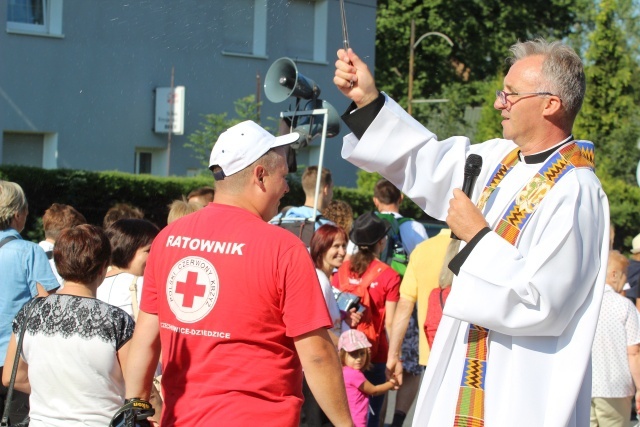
(513, 346)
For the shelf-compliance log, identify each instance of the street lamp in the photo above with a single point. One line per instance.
(412, 47)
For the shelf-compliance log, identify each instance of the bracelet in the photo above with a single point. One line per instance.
(138, 403)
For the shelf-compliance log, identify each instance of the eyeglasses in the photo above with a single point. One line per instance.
(502, 95)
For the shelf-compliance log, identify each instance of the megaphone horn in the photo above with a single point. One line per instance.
(310, 127)
(283, 80)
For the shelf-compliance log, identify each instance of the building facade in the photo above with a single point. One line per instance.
(79, 78)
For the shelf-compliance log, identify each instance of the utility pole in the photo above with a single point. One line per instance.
(171, 119)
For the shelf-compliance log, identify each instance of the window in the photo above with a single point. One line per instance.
(35, 17)
(304, 27)
(151, 161)
(245, 33)
(30, 149)
(144, 162)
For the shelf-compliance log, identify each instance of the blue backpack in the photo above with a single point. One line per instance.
(394, 253)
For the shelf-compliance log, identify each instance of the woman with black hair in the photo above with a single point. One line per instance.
(130, 244)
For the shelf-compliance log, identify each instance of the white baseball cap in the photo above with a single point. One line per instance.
(635, 244)
(242, 144)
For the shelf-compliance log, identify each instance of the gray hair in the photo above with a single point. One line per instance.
(12, 201)
(562, 70)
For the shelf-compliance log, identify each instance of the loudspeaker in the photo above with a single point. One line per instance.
(283, 80)
(310, 126)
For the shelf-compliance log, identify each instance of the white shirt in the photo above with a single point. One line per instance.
(75, 376)
(48, 246)
(115, 291)
(540, 299)
(332, 305)
(617, 329)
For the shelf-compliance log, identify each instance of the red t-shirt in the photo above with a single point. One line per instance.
(386, 287)
(231, 292)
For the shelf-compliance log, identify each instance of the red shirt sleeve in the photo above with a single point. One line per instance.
(304, 308)
(391, 282)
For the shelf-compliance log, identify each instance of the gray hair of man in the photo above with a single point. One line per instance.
(562, 70)
(12, 201)
(235, 184)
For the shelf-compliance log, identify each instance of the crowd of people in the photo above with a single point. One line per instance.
(239, 321)
(87, 282)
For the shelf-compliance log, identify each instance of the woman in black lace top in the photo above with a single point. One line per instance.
(75, 345)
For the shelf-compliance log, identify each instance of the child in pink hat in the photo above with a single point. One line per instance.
(356, 357)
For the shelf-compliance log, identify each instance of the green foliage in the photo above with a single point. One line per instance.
(489, 127)
(624, 200)
(361, 199)
(481, 31)
(93, 193)
(366, 181)
(610, 115)
(202, 140)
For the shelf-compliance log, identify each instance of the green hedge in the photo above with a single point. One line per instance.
(93, 193)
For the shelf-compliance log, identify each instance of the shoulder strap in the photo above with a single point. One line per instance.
(133, 289)
(391, 219)
(343, 275)
(16, 360)
(7, 240)
(375, 269)
(401, 221)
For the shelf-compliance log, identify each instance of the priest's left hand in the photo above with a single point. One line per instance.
(464, 218)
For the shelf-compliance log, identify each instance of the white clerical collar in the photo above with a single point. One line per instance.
(544, 155)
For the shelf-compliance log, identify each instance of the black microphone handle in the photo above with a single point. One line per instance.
(467, 188)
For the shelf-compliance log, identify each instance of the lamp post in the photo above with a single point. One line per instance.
(412, 47)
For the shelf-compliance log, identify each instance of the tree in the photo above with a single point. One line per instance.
(489, 126)
(367, 180)
(202, 140)
(481, 30)
(610, 113)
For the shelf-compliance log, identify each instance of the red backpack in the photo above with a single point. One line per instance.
(437, 298)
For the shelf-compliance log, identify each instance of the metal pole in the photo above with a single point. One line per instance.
(411, 54)
(316, 112)
(325, 112)
(258, 90)
(171, 119)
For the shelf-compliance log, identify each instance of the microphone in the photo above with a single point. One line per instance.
(472, 167)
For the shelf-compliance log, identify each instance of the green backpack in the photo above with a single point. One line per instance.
(394, 253)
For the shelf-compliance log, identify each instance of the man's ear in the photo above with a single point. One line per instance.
(259, 173)
(552, 106)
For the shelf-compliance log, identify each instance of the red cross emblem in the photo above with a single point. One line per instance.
(190, 289)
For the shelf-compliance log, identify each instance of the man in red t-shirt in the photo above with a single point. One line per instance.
(234, 303)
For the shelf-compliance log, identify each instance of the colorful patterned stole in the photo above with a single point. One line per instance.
(577, 154)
